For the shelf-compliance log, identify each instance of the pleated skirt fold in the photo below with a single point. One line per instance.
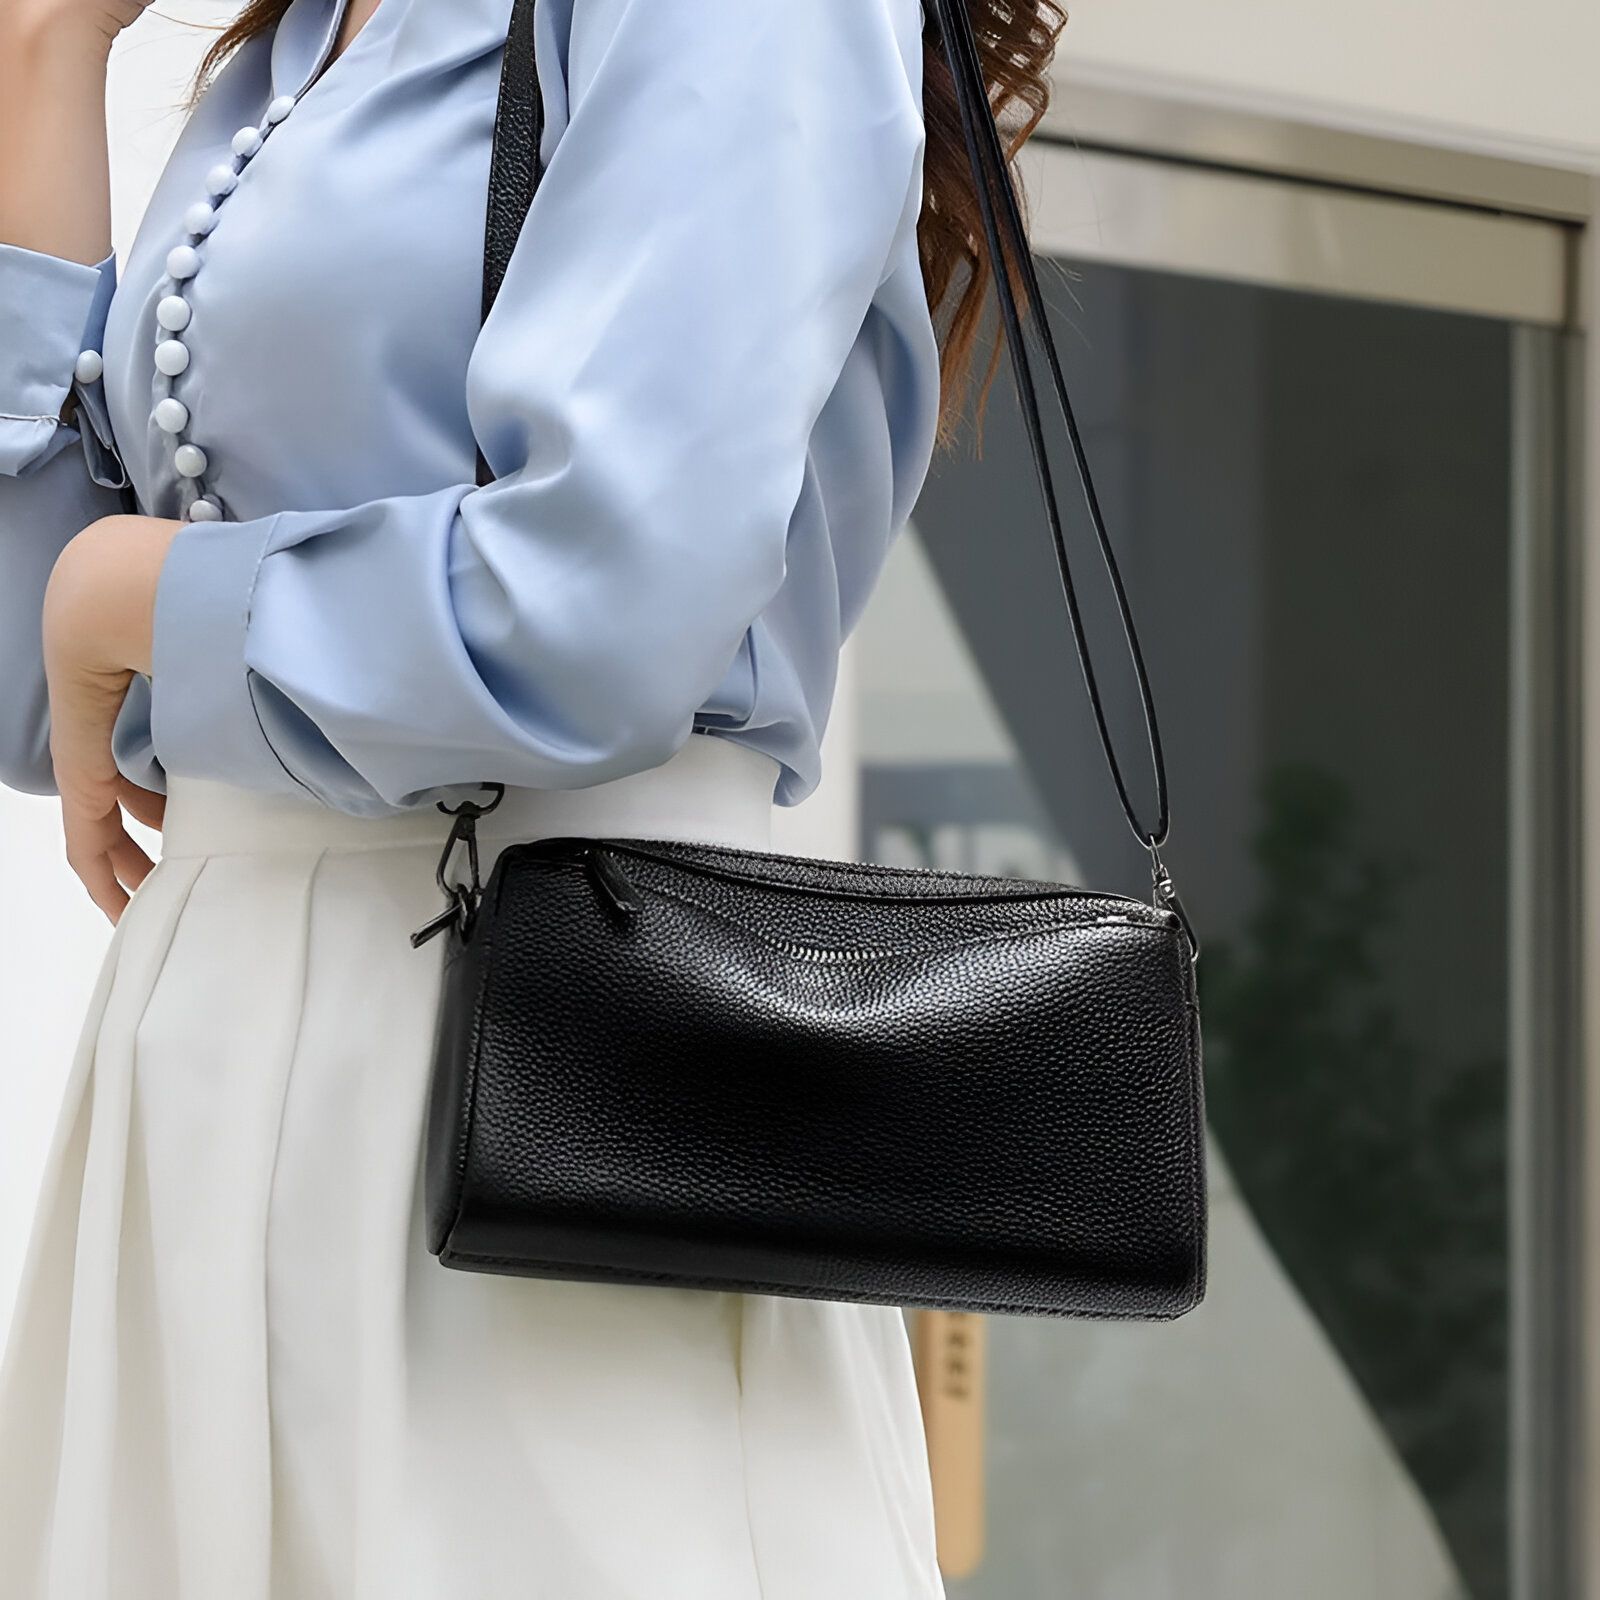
(235, 1372)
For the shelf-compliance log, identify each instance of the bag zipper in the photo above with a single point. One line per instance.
(1163, 900)
(620, 893)
(711, 870)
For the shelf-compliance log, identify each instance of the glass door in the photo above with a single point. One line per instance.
(1340, 519)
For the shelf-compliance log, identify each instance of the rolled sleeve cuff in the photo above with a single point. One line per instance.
(51, 310)
(203, 719)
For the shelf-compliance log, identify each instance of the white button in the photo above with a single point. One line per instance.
(174, 313)
(279, 109)
(222, 179)
(204, 510)
(171, 416)
(183, 261)
(190, 460)
(89, 367)
(172, 357)
(246, 142)
(200, 218)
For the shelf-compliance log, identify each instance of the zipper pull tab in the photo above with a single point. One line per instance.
(612, 882)
(450, 917)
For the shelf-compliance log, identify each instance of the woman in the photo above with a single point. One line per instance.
(250, 595)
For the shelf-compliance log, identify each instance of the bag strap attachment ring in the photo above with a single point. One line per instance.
(1164, 897)
(463, 898)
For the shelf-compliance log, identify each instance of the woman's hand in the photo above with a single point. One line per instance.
(99, 612)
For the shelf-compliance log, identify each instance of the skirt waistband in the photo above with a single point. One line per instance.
(714, 790)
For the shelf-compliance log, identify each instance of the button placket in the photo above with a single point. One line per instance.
(175, 313)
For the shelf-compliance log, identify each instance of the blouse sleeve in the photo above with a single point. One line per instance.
(724, 184)
(55, 477)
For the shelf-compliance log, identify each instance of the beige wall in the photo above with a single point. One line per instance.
(1480, 74)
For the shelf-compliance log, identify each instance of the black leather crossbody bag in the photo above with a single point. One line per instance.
(660, 1062)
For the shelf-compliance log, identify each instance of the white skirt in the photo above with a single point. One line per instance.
(235, 1372)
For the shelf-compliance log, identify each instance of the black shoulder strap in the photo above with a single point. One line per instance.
(514, 176)
(514, 167)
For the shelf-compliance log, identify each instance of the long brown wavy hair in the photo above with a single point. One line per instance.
(1016, 45)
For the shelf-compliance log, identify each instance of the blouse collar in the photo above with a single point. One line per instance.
(304, 40)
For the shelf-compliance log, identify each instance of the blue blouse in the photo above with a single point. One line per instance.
(709, 392)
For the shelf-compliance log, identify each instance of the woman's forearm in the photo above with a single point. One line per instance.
(54, 184)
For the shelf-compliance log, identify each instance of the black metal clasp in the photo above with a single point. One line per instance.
(462, 898)
(1164, 896)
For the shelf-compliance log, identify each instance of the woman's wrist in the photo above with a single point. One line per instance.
(102, 592)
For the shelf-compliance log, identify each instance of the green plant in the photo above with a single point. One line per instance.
(1374, 1163)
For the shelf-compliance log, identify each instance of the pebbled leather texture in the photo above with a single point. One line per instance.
(677, 1063)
